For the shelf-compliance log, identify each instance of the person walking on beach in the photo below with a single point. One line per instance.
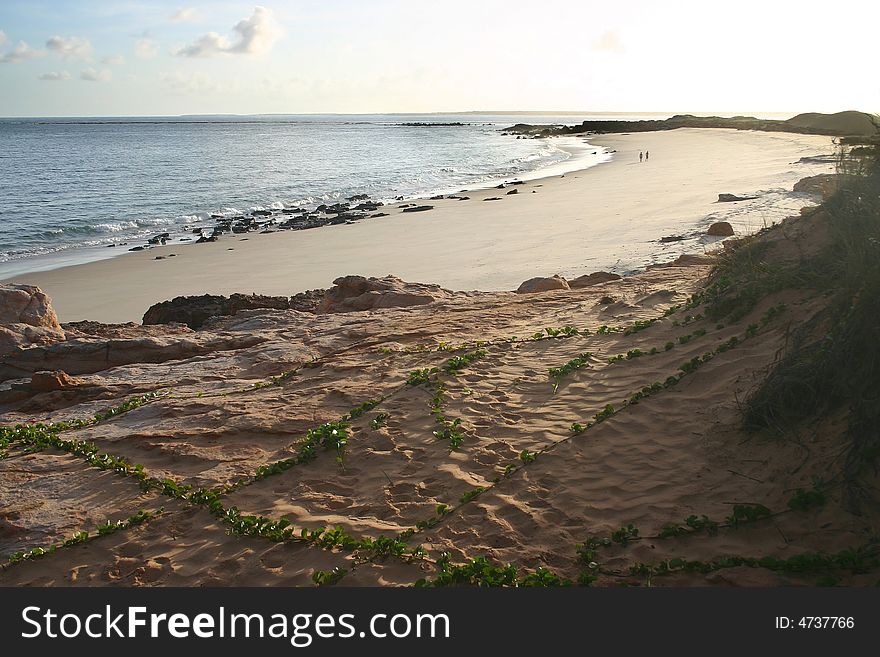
(640, 156)
(647, 153)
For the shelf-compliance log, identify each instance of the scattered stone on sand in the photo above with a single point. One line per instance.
(419, 208)
(732, 198)
(594, 279)
(513, 191)
(720, 229)
(543, 284)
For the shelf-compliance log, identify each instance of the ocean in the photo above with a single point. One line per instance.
(76, 190)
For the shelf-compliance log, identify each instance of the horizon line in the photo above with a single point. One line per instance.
(433, 113)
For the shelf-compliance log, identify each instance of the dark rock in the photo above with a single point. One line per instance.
(594, 279)
(732, 198)
(513, 191)
(543, 284)
(194, 311)
(720, 229)
(419, 208)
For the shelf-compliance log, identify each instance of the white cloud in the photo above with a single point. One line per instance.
(20, 53)
(113, 60)
(70, 47)
(185, 15)
(55, 76)
(609, 42)
(146, 48)
(91, 75)
(254, 35)
(2, 37)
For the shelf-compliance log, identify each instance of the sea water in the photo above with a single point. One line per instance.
(74, 190)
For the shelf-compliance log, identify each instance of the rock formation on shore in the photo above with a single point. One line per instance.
(849, 123)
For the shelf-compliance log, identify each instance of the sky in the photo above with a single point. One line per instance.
(139, 58)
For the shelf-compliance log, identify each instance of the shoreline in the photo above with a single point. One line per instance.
(579, 158)
(610, 217)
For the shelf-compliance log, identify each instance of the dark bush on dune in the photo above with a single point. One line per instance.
(833, 362)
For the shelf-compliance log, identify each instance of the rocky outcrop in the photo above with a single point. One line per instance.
(194, 311)
(81, 356)
(353, 293)
(593, 279)
(720, 229)
(26, 318)
(543, 284)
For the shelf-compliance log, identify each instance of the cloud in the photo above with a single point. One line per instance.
(55, 76)
(609, 42)
(20, 53)
(185, 15)
(91, 75)
(70, 47)
(254, 35)
(113, 60)
(2, 37)
(146, 48)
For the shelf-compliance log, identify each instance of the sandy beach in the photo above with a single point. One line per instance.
(399, 433)
(608, 217)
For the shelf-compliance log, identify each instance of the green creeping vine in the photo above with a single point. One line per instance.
(102, 530)
(418, 377)
(449, 429)
(855, 560)
(694, 525)
(481, 572)
(36, 437)
(745, 513)
(379, 421)
(331, 435)
(328, 577)
(557, 373)
(457, 363)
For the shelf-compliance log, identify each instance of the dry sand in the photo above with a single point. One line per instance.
(608, 217)
(677, 454)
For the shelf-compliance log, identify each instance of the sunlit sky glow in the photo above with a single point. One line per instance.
(106, 58)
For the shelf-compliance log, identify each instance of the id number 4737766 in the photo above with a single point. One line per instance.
(815, 623)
